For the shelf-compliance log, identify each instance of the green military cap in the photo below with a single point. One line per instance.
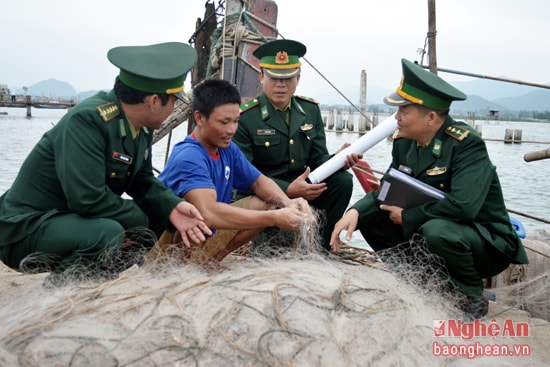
(422, 87)
(280, 59)
(159, 68)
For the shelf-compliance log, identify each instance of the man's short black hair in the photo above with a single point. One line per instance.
(212, 93)
(130, 95)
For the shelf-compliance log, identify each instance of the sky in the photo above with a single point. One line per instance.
(68, 40)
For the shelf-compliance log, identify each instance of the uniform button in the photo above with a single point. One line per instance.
(292, 161)
(291, 141)
(113, 174)
(266, 143)
(129, 174)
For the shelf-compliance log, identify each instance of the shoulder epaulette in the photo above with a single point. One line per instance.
(250, 104)
(457, 132)
(108, 111)
(308, 99)
(395, 135)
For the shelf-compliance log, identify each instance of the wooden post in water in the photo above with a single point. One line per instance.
(339, 124)
(363, 102)
(29, 104)
(517, 136)
(351, 123)
(508, 136)
(375, 116)
(512, 136)
(330, 123)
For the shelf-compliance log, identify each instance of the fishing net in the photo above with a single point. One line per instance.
(527, 287)
(300, 308)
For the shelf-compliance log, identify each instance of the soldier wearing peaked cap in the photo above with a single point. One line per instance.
(283, 136)
(469, 229)
(65, 209)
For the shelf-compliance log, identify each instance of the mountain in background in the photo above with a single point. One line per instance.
(536, 100)
(483, 95)
(53, 89)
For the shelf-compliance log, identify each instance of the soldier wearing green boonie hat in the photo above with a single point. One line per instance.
(422, 87)
(100, 149)
(469, 230)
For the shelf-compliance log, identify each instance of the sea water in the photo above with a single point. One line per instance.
(524, 184)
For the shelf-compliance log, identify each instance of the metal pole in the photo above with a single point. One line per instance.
(490, 77)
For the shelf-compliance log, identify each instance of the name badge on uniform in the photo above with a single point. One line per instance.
(265, 132)
(306, 127)
(436, 171)
(405, 169)
(122, 157)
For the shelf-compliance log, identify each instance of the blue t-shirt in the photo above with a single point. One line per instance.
(190, 166)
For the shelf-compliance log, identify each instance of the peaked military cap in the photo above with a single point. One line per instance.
(158, 68)
(424, 88)
(280, 59)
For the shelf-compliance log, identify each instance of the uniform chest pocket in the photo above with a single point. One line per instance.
(268, 149)
(117, 175)
(441, 181)
(309, 135)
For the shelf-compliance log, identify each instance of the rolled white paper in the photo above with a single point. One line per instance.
(361, 145)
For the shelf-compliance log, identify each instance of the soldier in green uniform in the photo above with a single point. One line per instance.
(283, 135)
(66, 203)
(470, 228)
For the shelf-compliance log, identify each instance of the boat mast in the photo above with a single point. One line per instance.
(432, 56)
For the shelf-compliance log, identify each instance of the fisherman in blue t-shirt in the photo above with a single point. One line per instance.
(205, 168)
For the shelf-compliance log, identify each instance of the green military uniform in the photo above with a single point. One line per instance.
(282, 151)
(66, 199)
(470, 228)
(281, 144)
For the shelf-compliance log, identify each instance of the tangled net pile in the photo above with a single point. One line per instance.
(297, 309)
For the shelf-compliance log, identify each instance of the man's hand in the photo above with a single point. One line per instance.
(189, 223)
(348, 222)
(301, 188)
(301, 204)
(352, 158)
(290, 218)
(394, 212)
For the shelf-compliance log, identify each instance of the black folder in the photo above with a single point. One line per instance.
(400, 189)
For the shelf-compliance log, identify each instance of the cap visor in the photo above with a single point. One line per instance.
(395, 99)
(181, 97)
(281, 73)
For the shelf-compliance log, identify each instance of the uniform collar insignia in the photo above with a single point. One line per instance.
(265, 112)
(122, 128)
(436, 151)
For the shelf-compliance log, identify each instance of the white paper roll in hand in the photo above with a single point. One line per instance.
(361, 145)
